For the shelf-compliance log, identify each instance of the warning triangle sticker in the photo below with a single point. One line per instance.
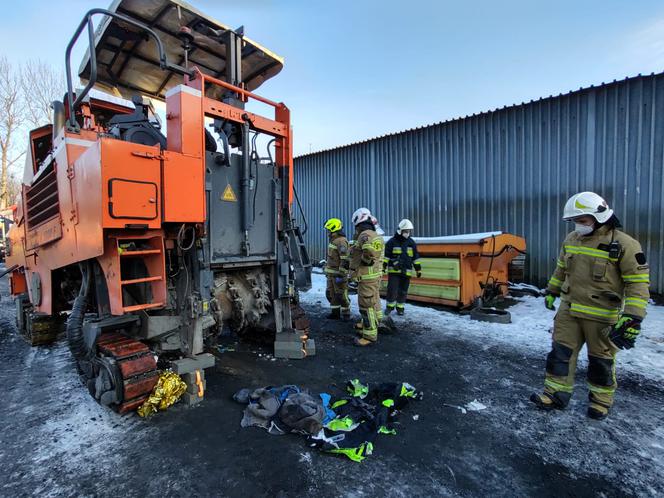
(228, 194)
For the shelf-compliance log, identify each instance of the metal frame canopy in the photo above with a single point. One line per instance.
(128, 60)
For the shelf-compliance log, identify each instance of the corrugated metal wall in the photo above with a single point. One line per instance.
(511, 169)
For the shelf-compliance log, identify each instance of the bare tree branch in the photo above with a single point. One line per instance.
(12, 118)
(13, 161)
(41, 84)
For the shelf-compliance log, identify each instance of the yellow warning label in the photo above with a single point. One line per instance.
(228, 194)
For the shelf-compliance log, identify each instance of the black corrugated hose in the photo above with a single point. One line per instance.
(75, 321)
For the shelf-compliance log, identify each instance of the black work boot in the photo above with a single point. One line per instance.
(596, 414)
(547, 402)
(401, 311)
(335, 314)
(597, 410)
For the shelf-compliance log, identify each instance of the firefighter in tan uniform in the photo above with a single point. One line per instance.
(602, 278)
(336, 270)
(366, 261)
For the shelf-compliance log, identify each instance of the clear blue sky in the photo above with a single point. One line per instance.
(359, 69)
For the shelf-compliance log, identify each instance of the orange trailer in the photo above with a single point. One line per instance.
(457, 270)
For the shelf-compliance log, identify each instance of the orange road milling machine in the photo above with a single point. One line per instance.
(144, 246)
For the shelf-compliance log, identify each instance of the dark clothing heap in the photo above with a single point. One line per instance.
(281, 410)
(361, 416)
(346, 425)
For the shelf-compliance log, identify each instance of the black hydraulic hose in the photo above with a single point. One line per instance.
(499, 253)
(75, 321)
(256, 161)
(304, 218)
(245, 181)
(227, 148)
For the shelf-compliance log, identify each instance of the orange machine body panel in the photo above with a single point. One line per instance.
(106, 186)
(130, 184)
(475, 266)
(184, 188)
(17, 284)
(184, 162)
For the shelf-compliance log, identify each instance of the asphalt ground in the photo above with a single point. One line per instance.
(56, 441)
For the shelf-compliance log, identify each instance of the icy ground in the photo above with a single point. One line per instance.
(473, 434)
(530, 330)
(627, 450)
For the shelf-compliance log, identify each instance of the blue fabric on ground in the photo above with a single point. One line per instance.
(329, 413)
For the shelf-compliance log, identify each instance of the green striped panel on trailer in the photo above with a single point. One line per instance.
(429, 290)
(435, 291)
(441, 268)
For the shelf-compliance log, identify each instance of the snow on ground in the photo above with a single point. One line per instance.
(69, 431)
(530, 330)
(626, 451)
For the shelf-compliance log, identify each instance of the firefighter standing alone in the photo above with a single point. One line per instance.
(401, 257)
(602, 279)
(336, 270)
(365, 266)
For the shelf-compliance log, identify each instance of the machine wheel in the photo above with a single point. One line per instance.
(125, 372)
(41, 329)
(36, 329)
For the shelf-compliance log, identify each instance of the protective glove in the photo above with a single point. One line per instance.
(345, 264)
(625, 331)
(549, 301)
(339, 280)
(418, 273)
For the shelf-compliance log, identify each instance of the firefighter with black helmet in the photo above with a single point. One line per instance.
(602, 279)
(365, 265)
(401, 259)
(336, 270)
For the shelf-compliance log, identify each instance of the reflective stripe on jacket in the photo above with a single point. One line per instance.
(599, 283)
(366, 255)
(337, 252)
(401, 255)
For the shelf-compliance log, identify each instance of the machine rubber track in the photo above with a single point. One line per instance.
(135, 369)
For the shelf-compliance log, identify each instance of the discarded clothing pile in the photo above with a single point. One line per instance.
(346, 425)
(281, 410)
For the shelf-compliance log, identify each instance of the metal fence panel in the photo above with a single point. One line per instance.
(510, 169)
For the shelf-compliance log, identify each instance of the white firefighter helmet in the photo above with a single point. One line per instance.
(360, 215)
(587, 204)
(405, 224)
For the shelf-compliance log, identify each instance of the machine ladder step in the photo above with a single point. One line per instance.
(144, 252)
(139, 307)
(141, 280)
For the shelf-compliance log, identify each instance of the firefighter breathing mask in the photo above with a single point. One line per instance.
(405, 228)
(584, 229)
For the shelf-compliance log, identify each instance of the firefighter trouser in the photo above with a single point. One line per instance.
(569, 335)
(368, 300)
(397, 290)
(337, 295)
